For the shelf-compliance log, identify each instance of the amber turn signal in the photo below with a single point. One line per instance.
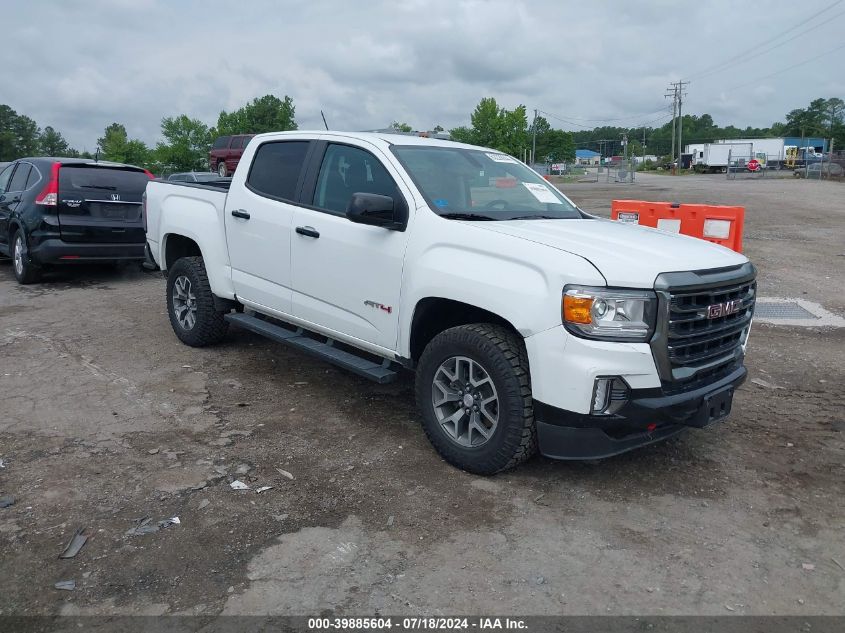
(577, 309)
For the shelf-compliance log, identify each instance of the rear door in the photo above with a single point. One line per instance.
(233, 155)
(258, 220)
(101, 204)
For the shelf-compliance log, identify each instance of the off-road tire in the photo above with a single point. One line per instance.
(210, 326)
(26, 272)
(502, 354)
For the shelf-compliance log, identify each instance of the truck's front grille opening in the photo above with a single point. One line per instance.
(702, 331)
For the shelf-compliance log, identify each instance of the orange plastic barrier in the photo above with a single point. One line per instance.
(717, 224)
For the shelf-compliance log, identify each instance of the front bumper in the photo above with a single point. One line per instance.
(563, 434)
(56, 251)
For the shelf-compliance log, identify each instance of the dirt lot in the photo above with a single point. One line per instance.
(106, 419)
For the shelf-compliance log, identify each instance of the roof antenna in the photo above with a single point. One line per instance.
(324, 119)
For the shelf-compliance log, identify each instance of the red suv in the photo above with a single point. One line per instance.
(226, 153)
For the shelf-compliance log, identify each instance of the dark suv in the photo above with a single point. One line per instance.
(66, 210)
(226, 153)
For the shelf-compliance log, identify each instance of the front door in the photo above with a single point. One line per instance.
(346, 276)
(258, 223)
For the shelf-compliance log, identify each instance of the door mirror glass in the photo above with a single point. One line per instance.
(377, 210)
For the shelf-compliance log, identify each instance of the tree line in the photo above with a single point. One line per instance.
(184, 148)
(822, 118)
(186, 141)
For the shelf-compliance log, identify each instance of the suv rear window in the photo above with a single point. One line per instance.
(100, 182)
(221, 143)
(275, 170)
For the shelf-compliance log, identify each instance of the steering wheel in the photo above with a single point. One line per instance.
(504, 204)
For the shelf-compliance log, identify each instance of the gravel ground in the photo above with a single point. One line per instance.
(107, 421)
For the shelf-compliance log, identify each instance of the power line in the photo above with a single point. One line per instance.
(783, 70)
(764, 42)
(623, 118)
(748, 58)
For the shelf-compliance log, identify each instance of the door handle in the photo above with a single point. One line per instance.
(308, 231)
(240, 213)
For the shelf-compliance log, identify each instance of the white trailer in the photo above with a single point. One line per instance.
(714, 157)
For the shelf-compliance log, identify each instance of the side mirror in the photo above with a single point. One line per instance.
(377, 210)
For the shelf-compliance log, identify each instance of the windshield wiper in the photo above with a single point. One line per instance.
(535, 217)
(466, 216)
(106, 187)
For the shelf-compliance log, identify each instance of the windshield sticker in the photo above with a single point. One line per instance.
(500, 158)
(541, 192)
(440, 202)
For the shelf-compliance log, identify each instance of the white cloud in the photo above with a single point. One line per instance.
(425, 62)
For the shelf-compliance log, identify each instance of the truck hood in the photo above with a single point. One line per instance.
(626, 255)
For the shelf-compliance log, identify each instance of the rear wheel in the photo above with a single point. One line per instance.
(25, 271)
(190, 304)
(474, 393)
(221, 169)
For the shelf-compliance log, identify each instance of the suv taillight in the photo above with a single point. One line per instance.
(49, 196)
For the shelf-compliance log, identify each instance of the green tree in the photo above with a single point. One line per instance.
(116, 146)
(52, 143)
(492, 126)
(18, 135)
(263, 114)
(186, 144)
(401, 127)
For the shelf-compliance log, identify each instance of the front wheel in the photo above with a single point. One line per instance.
(474, 392)
(190, 304)
(221, 170)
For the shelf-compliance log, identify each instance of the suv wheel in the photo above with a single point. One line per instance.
(221, 170)
(190, 304)
(25, 271)
(474, 393)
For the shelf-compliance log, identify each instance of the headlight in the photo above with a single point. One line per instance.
(607, 314)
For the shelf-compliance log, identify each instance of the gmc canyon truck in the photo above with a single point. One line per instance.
(530, 323)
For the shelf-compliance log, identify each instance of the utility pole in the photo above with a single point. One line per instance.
(681, 85)
(674, 95)
(534, 140)
(677, 94)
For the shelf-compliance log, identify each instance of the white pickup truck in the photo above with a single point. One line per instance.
(530, 324)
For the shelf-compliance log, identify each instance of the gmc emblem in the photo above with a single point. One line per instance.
(723, 309)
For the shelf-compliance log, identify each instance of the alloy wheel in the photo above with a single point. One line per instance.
(465, 401)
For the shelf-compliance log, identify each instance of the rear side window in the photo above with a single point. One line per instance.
(236, 142)
(33, 179)
(19, 179)
(276, 168)
(101, 183)
(221, 143)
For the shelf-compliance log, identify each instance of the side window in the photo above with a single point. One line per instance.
(347, 170)
(18, 182)
(221, 143)
(276, 168)
(236, 142)
(4, 178)
(33, 179)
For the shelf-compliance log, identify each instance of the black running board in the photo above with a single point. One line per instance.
(381, 373)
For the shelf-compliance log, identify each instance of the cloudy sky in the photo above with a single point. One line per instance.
(78, 65)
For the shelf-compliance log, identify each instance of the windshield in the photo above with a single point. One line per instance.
(470, 184)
